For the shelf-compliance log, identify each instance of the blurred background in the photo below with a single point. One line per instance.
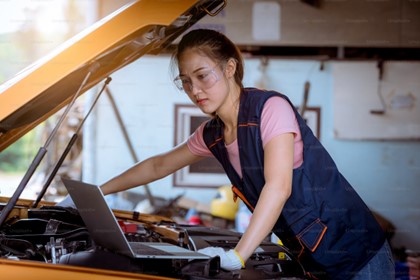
(29, 30)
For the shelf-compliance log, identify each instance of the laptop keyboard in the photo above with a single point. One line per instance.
(143, 249)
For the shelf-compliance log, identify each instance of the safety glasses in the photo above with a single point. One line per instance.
(202, 79)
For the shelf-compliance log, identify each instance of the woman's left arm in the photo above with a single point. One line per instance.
(278, 172)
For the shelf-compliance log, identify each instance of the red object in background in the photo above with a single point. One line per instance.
(195, 220)
(128, 227)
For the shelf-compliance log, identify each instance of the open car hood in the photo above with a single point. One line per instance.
(142, 27)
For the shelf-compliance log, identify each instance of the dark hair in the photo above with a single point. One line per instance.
(214, 45)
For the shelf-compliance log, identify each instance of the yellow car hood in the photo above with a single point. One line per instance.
(142, 27)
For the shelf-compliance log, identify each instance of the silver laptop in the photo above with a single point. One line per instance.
(106, 232)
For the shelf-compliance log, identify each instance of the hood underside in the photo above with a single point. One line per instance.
(142, 27)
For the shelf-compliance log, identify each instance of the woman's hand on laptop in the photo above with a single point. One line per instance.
(229, 260)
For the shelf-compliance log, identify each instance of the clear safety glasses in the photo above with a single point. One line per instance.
(202, 79)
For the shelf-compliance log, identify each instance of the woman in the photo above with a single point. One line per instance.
(276, 165)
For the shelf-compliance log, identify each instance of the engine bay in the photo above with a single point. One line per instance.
(57, 235)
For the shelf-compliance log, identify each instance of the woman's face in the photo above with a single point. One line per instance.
(203, 80)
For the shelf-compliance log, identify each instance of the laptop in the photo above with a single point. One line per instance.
(106, 232)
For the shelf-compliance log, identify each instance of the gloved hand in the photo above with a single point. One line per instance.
(66, 202)
(229, 260)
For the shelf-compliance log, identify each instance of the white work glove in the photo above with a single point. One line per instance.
(229, 260)
(66, 202)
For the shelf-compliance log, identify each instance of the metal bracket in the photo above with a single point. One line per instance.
(212, 14)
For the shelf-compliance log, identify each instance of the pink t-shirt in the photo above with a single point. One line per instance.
(277, 118)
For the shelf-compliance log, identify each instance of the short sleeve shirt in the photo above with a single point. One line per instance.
(277, 118)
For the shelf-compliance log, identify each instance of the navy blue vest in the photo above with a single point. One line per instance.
(324, 222)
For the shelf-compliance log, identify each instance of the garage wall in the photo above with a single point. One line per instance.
(146, 99)
(385, 173)
(390, 23)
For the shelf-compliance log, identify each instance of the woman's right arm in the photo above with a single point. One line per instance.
(151, 169)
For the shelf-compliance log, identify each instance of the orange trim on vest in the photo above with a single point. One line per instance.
(237, 193)
(301, 250)
(319, 239)
(313, 248)
(215, 142)
(311, 276)
(247, 124)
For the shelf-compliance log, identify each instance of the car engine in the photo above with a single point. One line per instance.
(57, 235)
